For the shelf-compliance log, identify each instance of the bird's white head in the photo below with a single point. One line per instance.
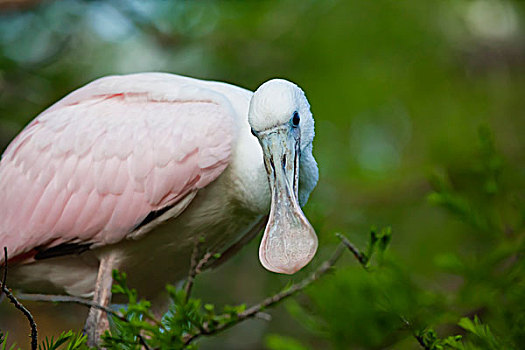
(280, 118)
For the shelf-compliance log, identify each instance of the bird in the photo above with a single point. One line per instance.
(128, 171)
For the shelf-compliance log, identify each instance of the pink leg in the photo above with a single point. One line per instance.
(97, 322)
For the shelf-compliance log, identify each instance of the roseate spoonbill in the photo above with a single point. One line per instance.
(127, 171)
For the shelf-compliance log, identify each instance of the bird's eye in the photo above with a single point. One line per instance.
(295, 119)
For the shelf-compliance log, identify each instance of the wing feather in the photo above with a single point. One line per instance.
(94, 165)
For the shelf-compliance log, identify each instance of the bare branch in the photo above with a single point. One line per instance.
(143, 342)
(68, 299)
(195, 269)
(19, 306)
(363, 260)
(4, 278)
(193, 266)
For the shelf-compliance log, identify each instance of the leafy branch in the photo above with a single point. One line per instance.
(135, 326)
(230, 319)
(187, 319)
(484, 338)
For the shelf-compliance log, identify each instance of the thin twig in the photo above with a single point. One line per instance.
(363, 260)
(53, 298)
(4, 279)
(191, 272)
(143, 342)
(203, 262)
(421, 341)
(195, 270)
(19, 306)
(268, 302)
(415, 334)
(69, 299)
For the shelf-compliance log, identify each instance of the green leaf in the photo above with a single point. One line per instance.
(3, 343)
(385, 238)
(74, 341)
(484, 335)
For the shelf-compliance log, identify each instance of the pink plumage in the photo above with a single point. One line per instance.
(92, 167)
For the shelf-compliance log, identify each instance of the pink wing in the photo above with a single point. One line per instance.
(93, 166)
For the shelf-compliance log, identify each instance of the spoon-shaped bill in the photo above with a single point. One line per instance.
(289, 241)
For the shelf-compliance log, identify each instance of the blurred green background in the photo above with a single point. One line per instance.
(399, 91)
